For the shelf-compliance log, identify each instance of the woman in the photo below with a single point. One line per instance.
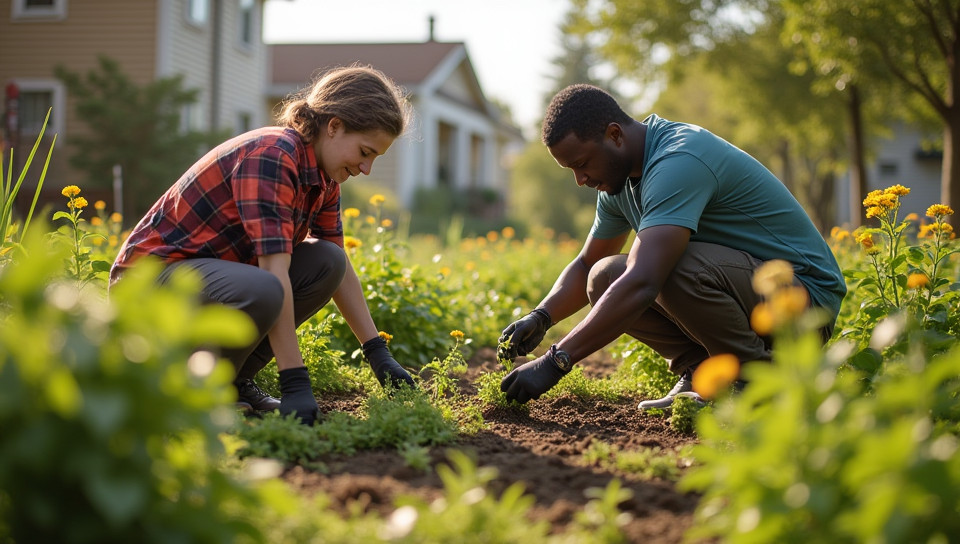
(259, 218)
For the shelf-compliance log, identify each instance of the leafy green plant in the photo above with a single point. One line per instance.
(490, 395)
(848, 467)
(683, 414)
(80, 267)
(646, 462)
(11, 231)
(649, 370)
(110, 416)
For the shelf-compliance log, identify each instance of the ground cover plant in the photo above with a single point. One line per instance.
(117, 425)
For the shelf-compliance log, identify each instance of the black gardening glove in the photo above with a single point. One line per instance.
(530, 380)
(524, 335)
(296, 395)
(384, 366)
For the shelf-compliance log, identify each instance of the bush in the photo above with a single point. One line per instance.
(106, 436)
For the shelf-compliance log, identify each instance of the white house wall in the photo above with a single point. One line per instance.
(187, 53)
(243, 70)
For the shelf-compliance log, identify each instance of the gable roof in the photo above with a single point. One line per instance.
(409, 64)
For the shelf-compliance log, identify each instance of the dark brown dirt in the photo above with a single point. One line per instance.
(543, 449)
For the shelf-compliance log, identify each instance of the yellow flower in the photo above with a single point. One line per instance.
(771, 276)
(96, 221)
(387, 337)
(470, 265)
(445, 271)
(898, 190)
(77, 203)
(458, 334)
(70, 191)
(351, 213)
(493, 236)
(715, 374)
(911, 217)
(370, 219)
(865, 239)
(116, 217)
(788, 303)
(386, 223)
(939, 210)
(508, 232)
(762, 320)
(100, 205)
(377, 199)
(935, 230)
(350, 242)
(875, 211)
(917, 280)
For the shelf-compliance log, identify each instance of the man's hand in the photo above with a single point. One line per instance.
(524, 335)
(384, 366)
(530, 380)
(297, 395)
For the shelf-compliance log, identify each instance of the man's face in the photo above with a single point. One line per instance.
(599, 164)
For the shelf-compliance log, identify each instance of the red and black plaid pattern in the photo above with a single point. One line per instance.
(259, 193)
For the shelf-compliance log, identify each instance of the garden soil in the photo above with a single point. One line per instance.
(542, 449)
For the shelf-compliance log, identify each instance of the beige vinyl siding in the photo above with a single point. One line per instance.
(243, 70)
(188, 53)
(124, 30)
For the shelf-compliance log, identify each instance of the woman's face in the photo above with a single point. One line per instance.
(342, 154)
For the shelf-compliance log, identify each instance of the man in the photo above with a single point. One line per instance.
(706, 215)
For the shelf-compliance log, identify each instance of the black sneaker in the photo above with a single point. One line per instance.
(251, 397)
(684, 388)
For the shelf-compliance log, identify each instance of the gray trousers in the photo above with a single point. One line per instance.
(703, 309)
(316, 270)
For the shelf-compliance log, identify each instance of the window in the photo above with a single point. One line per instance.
(888, 169)
(248, 22)
(36, 98)
(54, 10)
(198, 11)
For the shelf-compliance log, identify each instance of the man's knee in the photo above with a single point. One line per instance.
(602, 274)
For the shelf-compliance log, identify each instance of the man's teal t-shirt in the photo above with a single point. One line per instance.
(695, 179)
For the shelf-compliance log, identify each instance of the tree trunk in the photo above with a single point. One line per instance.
(950, 173)
(858, 173)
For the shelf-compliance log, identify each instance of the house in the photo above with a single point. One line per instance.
(214, 44)
(459, 140)
(907, 159)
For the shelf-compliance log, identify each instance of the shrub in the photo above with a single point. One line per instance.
(109, 416)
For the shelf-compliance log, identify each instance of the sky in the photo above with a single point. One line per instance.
(510, 42)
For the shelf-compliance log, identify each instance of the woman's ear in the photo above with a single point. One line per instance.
(333, 126)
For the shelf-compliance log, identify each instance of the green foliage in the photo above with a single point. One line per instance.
(490, 395)
(11, 233)
(601, 519)
(577, 385)
(106, 436)
(403, 420)
(683, 414)
(137, 127)
(647, 367)
(404, 301)
(82, 266)
(848, 467)
(648, 463)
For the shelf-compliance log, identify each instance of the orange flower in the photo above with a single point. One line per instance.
(715, 374)
(508, 232)
(762, 320)
(917, 280)
(939, 210)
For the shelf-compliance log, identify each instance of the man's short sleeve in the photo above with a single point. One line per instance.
(264, 190)
(609, 222)
(675, 191)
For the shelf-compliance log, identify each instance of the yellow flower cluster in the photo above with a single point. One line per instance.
(917, 280)
(458, 334)
(377, 199)
(839, 234)
(939, 210)
(783, 302)
(935, 230)
(350, 242)
(351, 213)
(715, 374)
(879, 202)
(387, 337)
(70, 191)
(865, 239)
(77, 202)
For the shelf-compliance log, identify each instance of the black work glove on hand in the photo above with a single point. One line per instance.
(530, 380)
(296, 395)
(525, 334)
(384, 366)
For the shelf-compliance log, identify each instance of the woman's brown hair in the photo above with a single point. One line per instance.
(363, 97)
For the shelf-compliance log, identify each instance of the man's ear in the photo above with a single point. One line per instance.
(614, 132)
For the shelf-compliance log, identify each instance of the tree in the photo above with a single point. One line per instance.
(137, 127)
(917, 42)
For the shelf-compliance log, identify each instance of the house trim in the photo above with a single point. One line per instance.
(20, 11)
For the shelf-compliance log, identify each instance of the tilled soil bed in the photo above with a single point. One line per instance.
(542, 448)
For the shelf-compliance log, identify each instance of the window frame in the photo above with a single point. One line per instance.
(58, 115)
(188, 14)
(20, 11)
